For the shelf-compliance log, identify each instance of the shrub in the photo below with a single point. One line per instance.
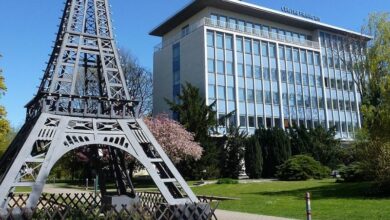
(302, 167)
(276, 149)
(253, 158)
(352, 172)
(227, 181)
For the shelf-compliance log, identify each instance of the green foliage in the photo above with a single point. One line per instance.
(227, 181)
(372, 147)
(253, 158)
(193, 112)
(276, 149)
(352, 172)
(199, 119)
(233, 153)
(6, 133)
(319, 143)
(302, 167)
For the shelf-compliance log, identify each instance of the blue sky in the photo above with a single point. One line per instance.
(27, 31)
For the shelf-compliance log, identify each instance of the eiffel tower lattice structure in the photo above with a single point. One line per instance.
(83, 101)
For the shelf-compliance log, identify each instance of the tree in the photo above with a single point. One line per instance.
(253, 158)
(193, 112)
(198, 118)
(5, 128)
(233, 153)
(372, 145)
(376, 98)
(325, 148)
(276, 149)
(139, 81)
(178, 143)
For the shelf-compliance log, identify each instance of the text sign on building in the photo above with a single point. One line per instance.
(300, 13)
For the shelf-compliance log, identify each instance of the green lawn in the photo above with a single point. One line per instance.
(330, 200)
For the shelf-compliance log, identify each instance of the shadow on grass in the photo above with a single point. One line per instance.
(363, 190)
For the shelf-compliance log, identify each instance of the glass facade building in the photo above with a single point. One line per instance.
(270, 74)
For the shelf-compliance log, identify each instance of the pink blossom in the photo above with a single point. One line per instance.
(177, 142)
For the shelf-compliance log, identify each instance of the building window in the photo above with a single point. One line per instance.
(239, 44)
(243, 121)
(281, 53)
(251, 121)
(211, 92)
(210, 39)
(250, 95)
(229, 42)
(221, 93)
(220, 67)
(231, 93)
(248, 46)
(249, 71)
(185, 30)
(268, 97)
(260, 122)
(264, 49)
(241, 94)
(284, 75)
(210, 65)
(291, 77)
(240, 69)
(274, 74)
(229, 68)
(272, 50)
(289, 54)
(219, 40)
(296, 55)
(268, 122)
(259, 96)
(275, 98)
(257, 72)
(256, 47)
(266, 73)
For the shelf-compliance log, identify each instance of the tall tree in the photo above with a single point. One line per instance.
(193, 112)
(253, 158)
(276, 149)
(5, 128)
(373, 148)
(139, 81)
(233, 153)
(376, 99)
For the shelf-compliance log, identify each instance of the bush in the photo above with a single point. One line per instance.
(276, 149)
(253, 158)
(352, 173)
(302, 167)
(227, 181)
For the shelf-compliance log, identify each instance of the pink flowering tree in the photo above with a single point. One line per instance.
(177, 142)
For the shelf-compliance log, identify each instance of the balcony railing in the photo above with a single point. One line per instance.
(260, 33)
(241, 29)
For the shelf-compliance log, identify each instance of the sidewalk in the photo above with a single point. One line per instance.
(228, 215)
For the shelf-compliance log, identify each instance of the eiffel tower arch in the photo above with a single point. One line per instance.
(83, 101)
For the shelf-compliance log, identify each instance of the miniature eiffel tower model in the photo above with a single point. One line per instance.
(83, 101)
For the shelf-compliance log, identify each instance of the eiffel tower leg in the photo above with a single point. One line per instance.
(29, 159)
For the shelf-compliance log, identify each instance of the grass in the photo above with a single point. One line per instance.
(330, 200)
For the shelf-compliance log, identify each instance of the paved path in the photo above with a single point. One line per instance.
(228, 215)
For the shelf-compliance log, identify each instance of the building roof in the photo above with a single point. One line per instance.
(251, 10)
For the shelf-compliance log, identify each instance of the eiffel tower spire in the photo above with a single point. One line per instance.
(84, 74)
(83, 101)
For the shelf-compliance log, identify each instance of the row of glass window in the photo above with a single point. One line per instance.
(339, 84)
(248, 26)
(268, 122)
